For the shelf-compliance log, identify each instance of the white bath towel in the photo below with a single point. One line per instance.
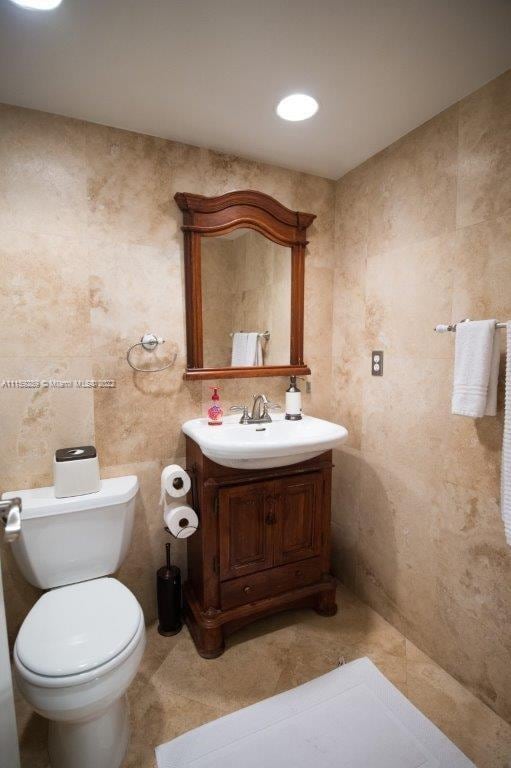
(239, 349)
(246, 349)
(505, 496)
(254, 349)
(476, 369)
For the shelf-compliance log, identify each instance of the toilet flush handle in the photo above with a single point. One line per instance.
(10, 510)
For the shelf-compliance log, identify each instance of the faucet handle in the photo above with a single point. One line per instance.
(243, 409)
(269, 407)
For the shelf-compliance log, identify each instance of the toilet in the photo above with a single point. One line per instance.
(80, 646)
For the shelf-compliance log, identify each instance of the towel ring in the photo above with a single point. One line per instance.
(149, 342)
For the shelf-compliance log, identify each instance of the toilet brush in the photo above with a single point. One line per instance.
(168, 590)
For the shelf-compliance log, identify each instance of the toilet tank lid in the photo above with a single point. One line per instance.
(40, 502)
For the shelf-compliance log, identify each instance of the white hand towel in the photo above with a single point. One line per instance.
(239, 349)
(476, 369)
(505, 496)
(254, 350)
(246, 350)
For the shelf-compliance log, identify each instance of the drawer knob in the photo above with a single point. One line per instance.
(247, 589)
(298, 573)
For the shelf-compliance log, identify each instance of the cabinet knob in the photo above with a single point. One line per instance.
(298, 573)
(247, 589)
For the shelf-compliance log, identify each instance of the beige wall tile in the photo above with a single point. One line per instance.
(396, 517)
(412, 192)
(44, 295)
(406, 291)
(136, 288)
(43, 182)
(405, 411)
(349, 310)
(318, 311)
(352, 206)
(348, 375)
(482, 270)
(128, 191)
(429, 554)
(36, 421)
(484, 188)
(141, 418)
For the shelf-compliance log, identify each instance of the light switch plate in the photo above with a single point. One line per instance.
(377, 362)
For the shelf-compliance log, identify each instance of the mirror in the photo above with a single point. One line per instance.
(246, 300)
(244, 284)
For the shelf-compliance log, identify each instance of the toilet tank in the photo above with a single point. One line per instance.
(64, 541)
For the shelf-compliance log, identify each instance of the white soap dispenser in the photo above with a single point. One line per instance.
(293, 401)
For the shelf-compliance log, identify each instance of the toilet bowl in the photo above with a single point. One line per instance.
(76, 653)
(80, 646)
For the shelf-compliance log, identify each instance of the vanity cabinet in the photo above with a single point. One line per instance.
(263, 545)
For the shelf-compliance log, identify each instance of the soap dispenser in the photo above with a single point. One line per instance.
(293, 401)
(215, 412)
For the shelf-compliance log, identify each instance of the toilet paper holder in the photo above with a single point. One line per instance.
(149, 342)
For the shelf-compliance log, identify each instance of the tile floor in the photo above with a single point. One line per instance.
(176, 690)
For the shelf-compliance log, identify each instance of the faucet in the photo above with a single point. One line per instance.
(260, 411)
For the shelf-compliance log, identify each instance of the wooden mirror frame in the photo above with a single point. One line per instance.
(213, 216)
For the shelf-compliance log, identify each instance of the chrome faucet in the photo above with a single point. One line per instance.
(260, 411)
(10, 511)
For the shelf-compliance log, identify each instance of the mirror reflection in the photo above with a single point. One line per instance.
(246, 300)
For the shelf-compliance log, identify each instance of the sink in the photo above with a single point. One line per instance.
(256, 446)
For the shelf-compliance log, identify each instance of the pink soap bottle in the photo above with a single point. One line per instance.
(215, 411)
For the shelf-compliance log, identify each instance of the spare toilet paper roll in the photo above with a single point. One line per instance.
(176, 481)
(181, 520)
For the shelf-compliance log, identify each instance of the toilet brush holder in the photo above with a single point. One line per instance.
(168, 591)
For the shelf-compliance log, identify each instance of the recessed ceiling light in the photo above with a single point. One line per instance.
(297, 106)
(38, 5)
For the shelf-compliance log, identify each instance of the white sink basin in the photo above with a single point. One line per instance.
(256, 446)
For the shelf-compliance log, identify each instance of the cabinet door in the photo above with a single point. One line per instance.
(246, 517)
(299, 515)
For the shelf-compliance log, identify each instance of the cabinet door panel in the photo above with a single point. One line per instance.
(245, 527)
(299, 510)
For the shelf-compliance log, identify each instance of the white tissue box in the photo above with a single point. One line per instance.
(76, 471)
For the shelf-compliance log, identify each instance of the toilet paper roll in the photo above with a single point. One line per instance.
(175, 481)
(181, 520)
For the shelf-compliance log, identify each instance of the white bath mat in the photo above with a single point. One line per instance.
(352, 717)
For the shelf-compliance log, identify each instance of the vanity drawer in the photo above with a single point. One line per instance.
(274, 581)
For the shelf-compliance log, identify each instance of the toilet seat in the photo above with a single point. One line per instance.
(79, 632)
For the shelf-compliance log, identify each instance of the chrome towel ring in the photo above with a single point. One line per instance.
(149, 342)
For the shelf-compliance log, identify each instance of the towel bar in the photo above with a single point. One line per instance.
(263, 334)
(444, 328)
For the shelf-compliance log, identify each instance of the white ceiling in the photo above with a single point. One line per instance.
(210, 72)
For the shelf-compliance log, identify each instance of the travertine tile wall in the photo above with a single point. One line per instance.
(423, 236)
(90, 258)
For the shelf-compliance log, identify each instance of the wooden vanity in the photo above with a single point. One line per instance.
(263, 545)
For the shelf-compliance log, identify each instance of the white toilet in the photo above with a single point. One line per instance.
(80, 646)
